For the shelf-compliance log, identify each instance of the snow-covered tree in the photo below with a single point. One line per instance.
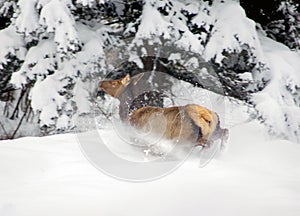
(280, 19)
(193, 31)
(286, 28)
(54, 52)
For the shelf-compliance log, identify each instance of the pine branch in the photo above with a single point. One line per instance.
(20, 122)
(18, 103)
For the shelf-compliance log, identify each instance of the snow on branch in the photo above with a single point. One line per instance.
(39, 62)
(27, 21)
(57, 19)
(90, 3)
(47, 100)
(11, 44)
(153, 24)
(231, 30)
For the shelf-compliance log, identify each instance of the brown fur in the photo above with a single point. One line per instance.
(115, 87)
(192, 122)
(131, 93)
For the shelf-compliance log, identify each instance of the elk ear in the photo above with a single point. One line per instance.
(126, 79)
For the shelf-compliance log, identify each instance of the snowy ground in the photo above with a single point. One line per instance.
(50, 176)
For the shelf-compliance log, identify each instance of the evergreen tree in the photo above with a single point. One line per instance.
(286, 28)
(54, 52)
(280, 19)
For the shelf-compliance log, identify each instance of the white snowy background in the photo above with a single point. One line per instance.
(257, 174)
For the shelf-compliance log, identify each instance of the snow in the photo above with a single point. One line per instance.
(90, 2)
(152, 24)
(231, 30)
(11, 44)
(83, 105)
(38, 58)
(55, 16)
(255, 175)
(63, 122)
(277, 102)
(47, 101)
(27, 21)
(45, 67)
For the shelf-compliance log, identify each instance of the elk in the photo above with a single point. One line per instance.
(192, 122)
